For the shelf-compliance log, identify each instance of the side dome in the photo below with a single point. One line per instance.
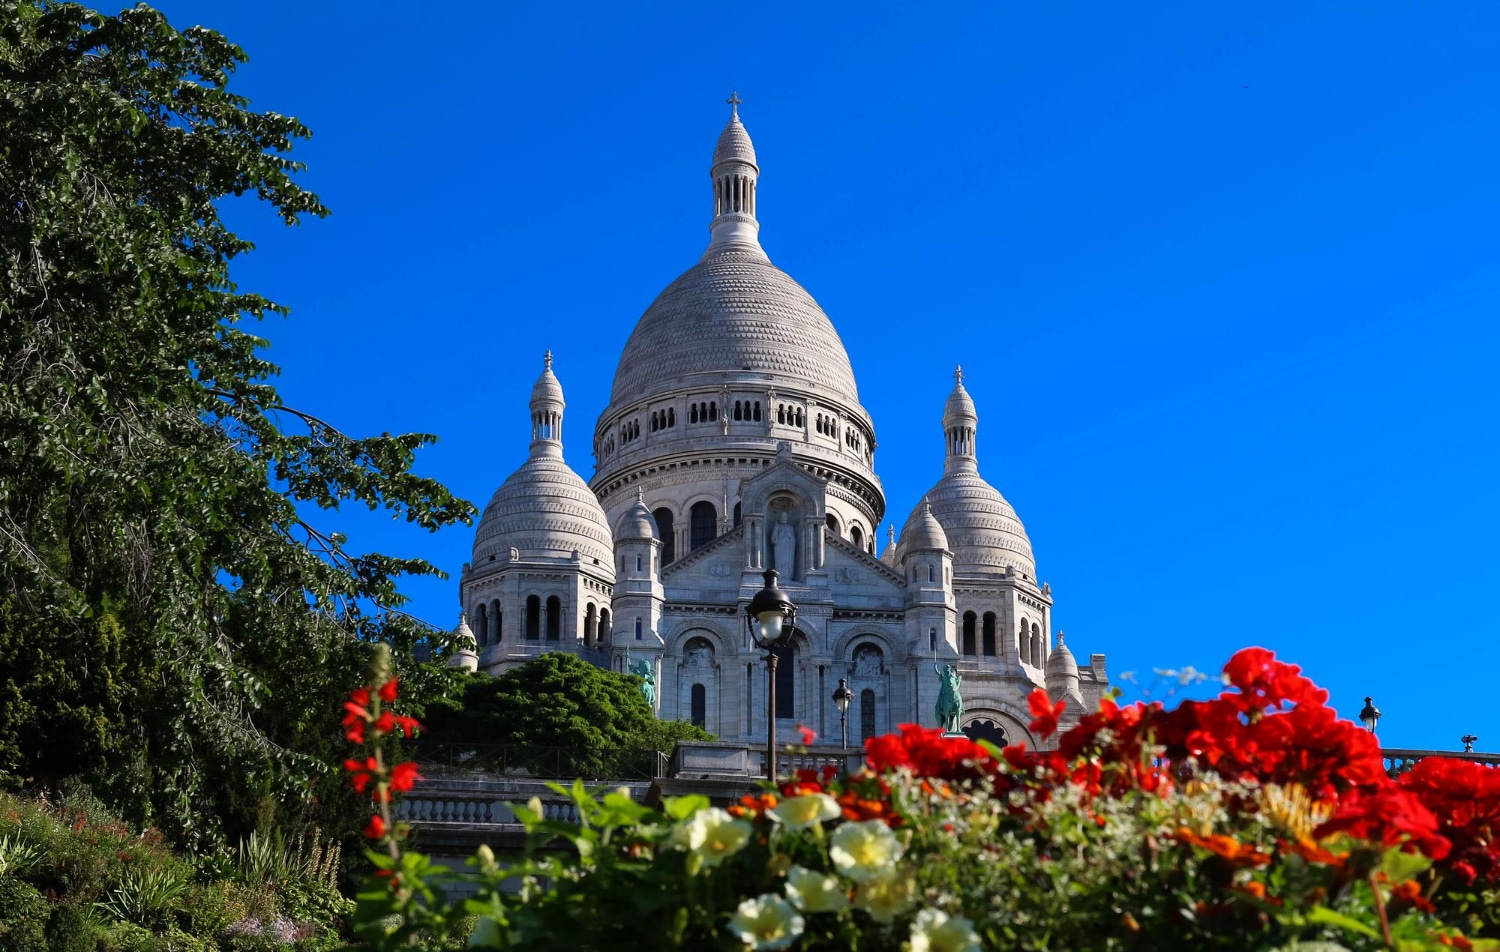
(984, 533)
(545, 510)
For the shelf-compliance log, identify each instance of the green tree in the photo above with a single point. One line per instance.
(171, 611)
(555, 706)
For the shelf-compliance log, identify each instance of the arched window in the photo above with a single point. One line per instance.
(801, 419)
(481, 625)
(640, 630)
(604, 629)
(969, 620)
(781, 413)
(533, 618)
(931, 575)
(703, 525)
(866, 715)
(986, 730)
(736, 515)
(639, 566)
(1024, 642)
(692, 413)
(738, 412)
(757, 411)
(989, 634)
(554, 619)
(671, 416)
(786, 681)
(713, 409)
(1037, 647)
(698, 705)
(856, 536)
(494, 624)
(832, 523)
(663, 517)
(590, 625)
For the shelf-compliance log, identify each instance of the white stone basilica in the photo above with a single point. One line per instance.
(734, 441)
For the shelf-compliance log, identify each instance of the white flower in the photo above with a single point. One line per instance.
(814, 892)
(864, 851)
(766, 922)
(935, 931)
(810, 809)
(885, 899)
(712, 835)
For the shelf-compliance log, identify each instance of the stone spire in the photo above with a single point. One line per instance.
(734, 175)
(960, 420)
(546, 412)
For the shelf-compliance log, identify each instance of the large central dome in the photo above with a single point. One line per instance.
(734, 311)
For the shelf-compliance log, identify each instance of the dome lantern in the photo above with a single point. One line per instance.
(960, 420)
(735, 174)
(547, 406)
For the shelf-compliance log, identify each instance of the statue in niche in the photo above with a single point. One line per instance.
(867, 659)
(642, 670)
(783, 546)
(950, 702)
(699, 654)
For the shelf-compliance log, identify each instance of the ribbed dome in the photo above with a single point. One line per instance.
(636, 524)
(545, 510)
(1062, 673)
(921, 532)
(733, 311)
(734, 144)
(960, 406)
(547, 391)
(983, 530)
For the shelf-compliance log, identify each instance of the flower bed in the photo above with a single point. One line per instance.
(1256, 820)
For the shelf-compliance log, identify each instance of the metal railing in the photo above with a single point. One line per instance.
(548, 763)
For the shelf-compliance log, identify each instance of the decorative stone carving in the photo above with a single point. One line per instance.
(784, 546)
(868, 660)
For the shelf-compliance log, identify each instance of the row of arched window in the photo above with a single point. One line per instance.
(629, 430)
(851, 438)
(663, 419)
(747, 410)
(789, 415)
(733, 193)
(825, 425)
(1033, 649)
(856, 534)
(539, 621)
(703, 411)
(972, 642)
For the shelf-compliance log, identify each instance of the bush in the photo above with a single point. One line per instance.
(23, 917)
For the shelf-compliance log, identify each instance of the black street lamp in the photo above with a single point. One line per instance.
(1370, 716)
(841, 698)
(771, 619)
(1468, 741)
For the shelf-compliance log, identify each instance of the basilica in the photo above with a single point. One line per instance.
(735, 442)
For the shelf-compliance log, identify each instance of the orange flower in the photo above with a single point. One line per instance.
(1313, 853)
(1240, 854)
(1409, 891)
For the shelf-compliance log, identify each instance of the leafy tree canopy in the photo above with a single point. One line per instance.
(556, 700)
(174, 622)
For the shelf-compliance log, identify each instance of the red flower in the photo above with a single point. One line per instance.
(809, 737)
(1265, 682)
(1044, 712)
(1390, 817)
(404, 777)
(361, 773)
(388, 691)
(356, 715)
(375, 829)
(388, 723)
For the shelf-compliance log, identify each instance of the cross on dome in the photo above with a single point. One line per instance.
(735, 102)
(958, 374)
(547, 358)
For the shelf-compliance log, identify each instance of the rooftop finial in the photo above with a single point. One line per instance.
(958, 375)
(735, 102)
(547, 358)
(890, 532)
(640, 494)
(1060, 637)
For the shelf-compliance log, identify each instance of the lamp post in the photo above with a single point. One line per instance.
(771, 619)
(1468, 741)
(841, 698)
(1370, 716)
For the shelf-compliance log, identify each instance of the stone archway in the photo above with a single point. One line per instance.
(987, 729)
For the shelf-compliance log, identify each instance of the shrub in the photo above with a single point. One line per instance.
(23, 917)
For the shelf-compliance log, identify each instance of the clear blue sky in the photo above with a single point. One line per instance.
(1223, 280)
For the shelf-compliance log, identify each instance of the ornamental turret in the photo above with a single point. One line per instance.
(960, 420)
(547, 406)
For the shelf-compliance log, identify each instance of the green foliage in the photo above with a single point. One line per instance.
(555, 700)
(23, 916)
(146, 897)
(175, 628)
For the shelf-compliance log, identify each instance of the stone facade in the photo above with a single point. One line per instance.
(734, 442)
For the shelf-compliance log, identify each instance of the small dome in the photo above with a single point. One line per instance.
(548, 391)
(464, 657)
(734, 144)
(922, 532)
(1062, 672)
(960, 406)
(637, 524)
(546, 511)
(889, 555)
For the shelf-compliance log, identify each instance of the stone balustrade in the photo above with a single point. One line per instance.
(1399, 760)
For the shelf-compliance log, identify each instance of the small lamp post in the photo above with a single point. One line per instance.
(1370, 716)
(771, 619)
(1468, 741)
(841, 698)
